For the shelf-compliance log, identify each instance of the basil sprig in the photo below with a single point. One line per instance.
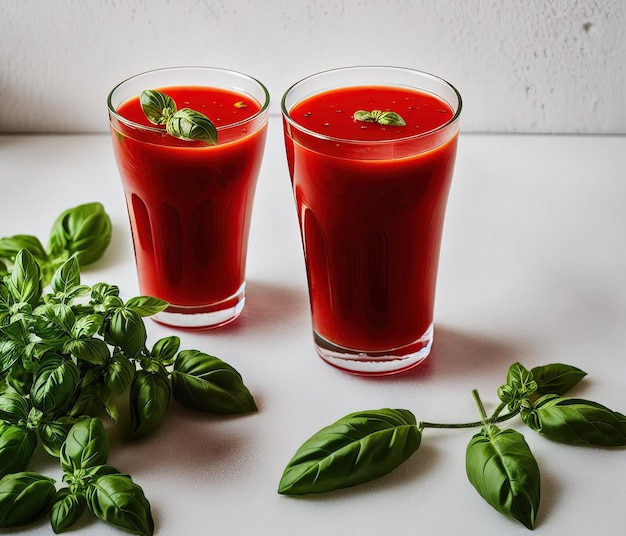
(499, 463)
(185, 124)
(378, 116)
(83, 231)
(69, 353)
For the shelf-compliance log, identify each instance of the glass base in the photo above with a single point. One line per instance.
(204, 316)
(378, 363)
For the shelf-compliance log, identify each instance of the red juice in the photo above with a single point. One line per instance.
(189, 203)
(371, 201)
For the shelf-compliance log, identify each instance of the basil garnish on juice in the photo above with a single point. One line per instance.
(378, 116)
(185, 124)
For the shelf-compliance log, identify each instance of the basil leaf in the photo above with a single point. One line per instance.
(556, 378)
(52, 434)
(84, 230)
(67, 509)
(127, 330)
(14, 344)
(146, 305)
(362, 115)
(119, 374)
(87, 445)
(157, 106)
(357, 448)
(54, 385)
(13, 406)
(164, 350)
(387, 118)
(66, 277)
(24, 498)
(503, 470)
(150, 395)
(117, 500)
(10, 247)
(576, 421)
(391, 119)
(87, 325)
(17, 444)
(204, 382)
(188, 124)
(91, 350)
(24, 281)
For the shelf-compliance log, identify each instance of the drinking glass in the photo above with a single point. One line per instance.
(190, 202)
(371, 196)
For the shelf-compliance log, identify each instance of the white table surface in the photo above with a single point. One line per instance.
(533, 269)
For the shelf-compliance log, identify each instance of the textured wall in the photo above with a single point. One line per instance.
(521, 66)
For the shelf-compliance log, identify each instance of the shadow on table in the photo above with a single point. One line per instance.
(458, 353)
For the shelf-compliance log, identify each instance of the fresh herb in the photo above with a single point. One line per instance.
(499, 463)
(186, 124)
(70, 354)
(84, 231)
(112, 496)
(378, 116)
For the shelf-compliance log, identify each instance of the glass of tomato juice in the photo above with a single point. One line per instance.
(190, 202)
(371, 152)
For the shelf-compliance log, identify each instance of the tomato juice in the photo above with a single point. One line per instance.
(189, 203)
(371, 201)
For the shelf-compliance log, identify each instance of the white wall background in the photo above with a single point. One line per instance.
(540, 66)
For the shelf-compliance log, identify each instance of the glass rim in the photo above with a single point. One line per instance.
(286, 114)
(149, 128)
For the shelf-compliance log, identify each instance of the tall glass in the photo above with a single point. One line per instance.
(189, 202)
(371, 195)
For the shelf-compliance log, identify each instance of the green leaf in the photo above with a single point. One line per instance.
(157, 106)
(87, 325)
(13, 406)
(357, 448)
(119, 374)
(576, 421)
(86, 446)
(127, 330)
(520, 384)
(17, 445)
(67, 509)
(24, 281)
(188, 124)
(117, 500)
(165, 349)
(10, 246)
(25, 497)
(503, 470)
(146, 305)
(204, 382)
(52, 434)
(54, 385)
(387, 118)
(94, 351)
(556, 378)
(150, 395)
(67, 276)
(14, 343)
(84, 231)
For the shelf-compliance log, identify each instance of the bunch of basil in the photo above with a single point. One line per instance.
(68, 352)
(499, 464)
